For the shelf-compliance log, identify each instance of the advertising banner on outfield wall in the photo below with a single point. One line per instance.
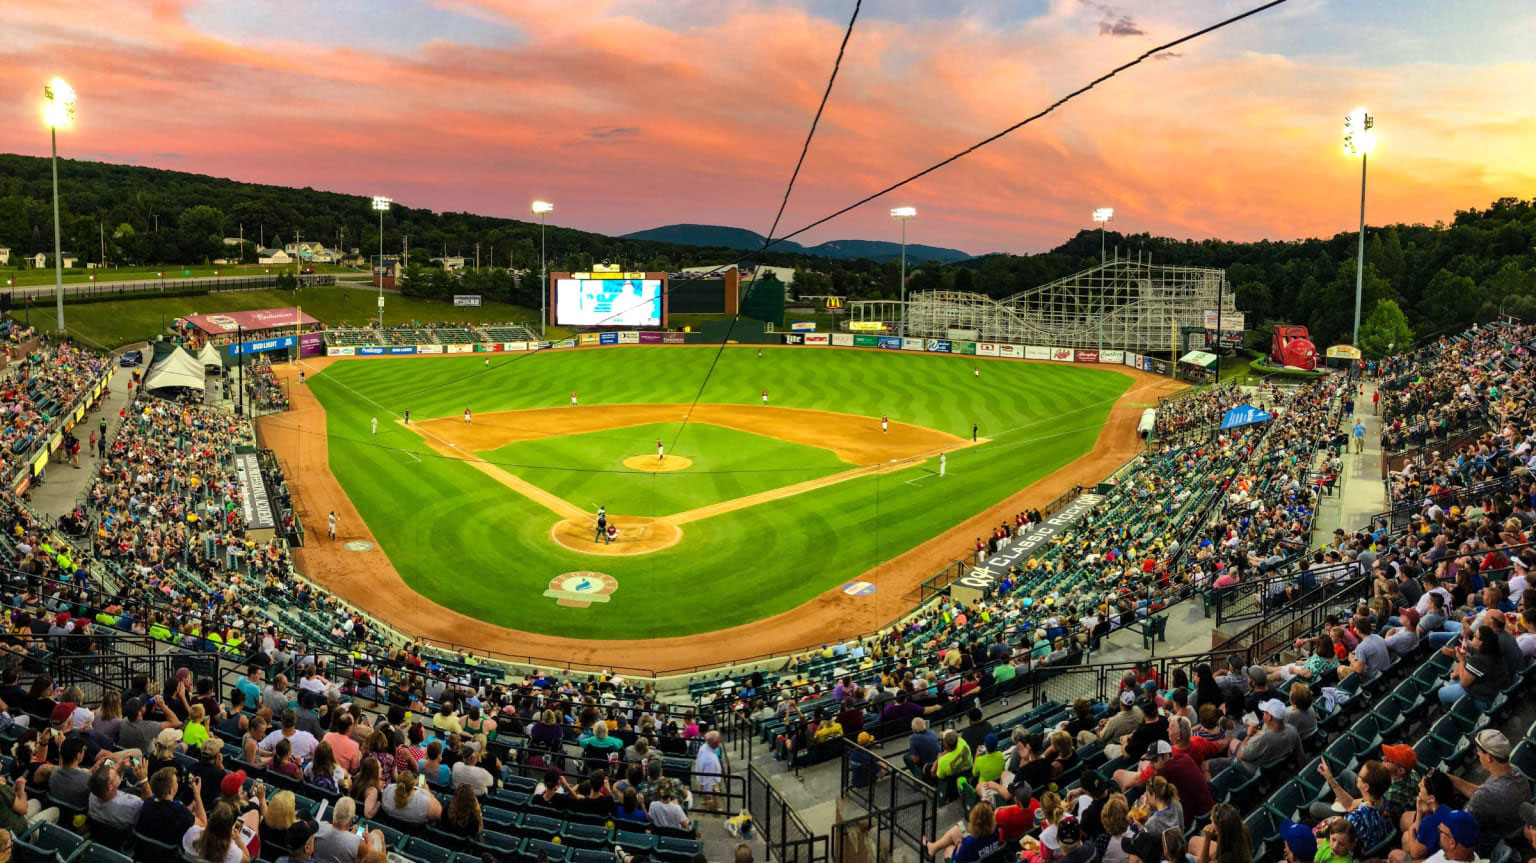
(346, 351)
(565, 343)
(261, 346)
(311, 344)
(1036, 352)
(911, 344)
(937, 346)
(629, 337)
(963, 348)
(862, 341)
(986, 349)
(588, 339)
(401, 350)
(671, 338)
(607, 338)
(1159, 367)
(1015, 351)
(1112, 357)
(1146, 364)
(793, 338)
(430, 349)
(818, 339)
(650, 337)
(892, 343)
(514, 346)
(1062, 355)
(458, 349)
(1086, 355)
(370, 351)
(803, 326)
(843, 339)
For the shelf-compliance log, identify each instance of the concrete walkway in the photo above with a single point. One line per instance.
(63, 485)
(1360, 493)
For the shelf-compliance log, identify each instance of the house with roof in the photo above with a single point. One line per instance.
(5, 257)
(273, 256)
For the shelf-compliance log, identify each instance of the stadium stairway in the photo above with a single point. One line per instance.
(1360, 494)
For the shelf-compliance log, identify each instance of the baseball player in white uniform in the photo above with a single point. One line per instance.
(375, 425)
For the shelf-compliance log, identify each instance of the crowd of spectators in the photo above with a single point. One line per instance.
(37, 390)
(1455, 383)
(266, 392)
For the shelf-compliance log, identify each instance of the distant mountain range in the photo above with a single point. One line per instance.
(741, 238)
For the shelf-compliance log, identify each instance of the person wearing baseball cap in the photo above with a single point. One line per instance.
(1270, 741)
(1495, 803)
(300, 837)
(1402, 765)
(1119, 725)
(1528, 823)
(1459, 835)
(1300, 844)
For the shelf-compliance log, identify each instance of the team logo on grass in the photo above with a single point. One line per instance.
(859, 588)
(581, 589)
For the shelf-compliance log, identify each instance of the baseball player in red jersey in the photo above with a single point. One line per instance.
(466, 415)
(573, 398)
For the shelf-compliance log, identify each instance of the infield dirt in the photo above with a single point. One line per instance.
(368, 580)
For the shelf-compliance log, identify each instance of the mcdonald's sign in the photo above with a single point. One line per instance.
(834, 302)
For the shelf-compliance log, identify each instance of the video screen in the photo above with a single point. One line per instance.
(608, 302)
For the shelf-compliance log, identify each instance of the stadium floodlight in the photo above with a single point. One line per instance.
(58, 113)
(1102, 215)
(542, 209)
(1359, 140)
(902, 215)
(381, 204)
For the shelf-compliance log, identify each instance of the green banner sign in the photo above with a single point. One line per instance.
(962, 347)
(862, 341)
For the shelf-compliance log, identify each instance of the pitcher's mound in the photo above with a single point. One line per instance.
(648, 464)
(637, 535)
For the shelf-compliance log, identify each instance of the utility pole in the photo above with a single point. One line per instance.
(477, 257)
(102, 229)
(406, 253)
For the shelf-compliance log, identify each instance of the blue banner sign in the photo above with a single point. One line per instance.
(891, 342)
(370, 351)
(941, 346)
(262, 345)
(607, 338)
(1244, 415)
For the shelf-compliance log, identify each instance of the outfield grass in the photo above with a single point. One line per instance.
(462, 539)
(33, 277)
(115, 324)
(727, 464)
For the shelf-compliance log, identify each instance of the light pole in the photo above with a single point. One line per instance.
(58, 111)
(903, 215)
(1359, 140)
(1102, 215)
(382, 205)
(542, 209)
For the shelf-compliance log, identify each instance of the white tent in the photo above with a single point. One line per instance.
(211, 357)
(176, 369)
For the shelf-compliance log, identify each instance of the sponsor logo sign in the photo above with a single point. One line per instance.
(311, 345)
(889, 342)
(588, 339)
(985, 575)
(911, 344)
(370, 351)
(1115, 357)
(514, 346)
(671, 338)
(1160, 367)
(1146, 364)
(565, 343)
(261, 345)
(866, 326)
(793, 339)
(401, 350)
(1015, 351)
(864, 341)
(458, 349)
(817, 339)
(844, 340)
(581, 589)
(1036, 352)
(254, 504)
(986, 349)
(803, 326)
(939, 346)
(466, 299)
(629, 337)
(429, 349)
(607, 338)
(1244, 415)
(1133, 360)
(1085, 355)
(964, 348)
(345, 351)
(650, 337)
(859, 588)
(1062, 355)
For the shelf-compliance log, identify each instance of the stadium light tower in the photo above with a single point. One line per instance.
(542, 209)
(382, 205)
(903, 215)
(1102, 215)
(1359, 140)
(58, 112)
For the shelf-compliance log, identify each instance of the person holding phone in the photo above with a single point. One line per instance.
(163, 818)
(341, 840)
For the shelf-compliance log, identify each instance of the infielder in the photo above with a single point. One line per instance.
(330, 524)
(660, 454)
(466, 415)
(765, 397)
(943, 463)
(976, 370)
(573, 399)
(375, 425)
(407, 416)
(487, 362)
(885, 423)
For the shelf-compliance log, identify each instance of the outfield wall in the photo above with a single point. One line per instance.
(849, 340)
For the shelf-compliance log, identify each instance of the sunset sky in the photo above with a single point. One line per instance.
(630, 114)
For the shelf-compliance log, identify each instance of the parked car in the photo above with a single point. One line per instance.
(131, 358)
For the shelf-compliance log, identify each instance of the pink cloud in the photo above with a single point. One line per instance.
(1215, 142)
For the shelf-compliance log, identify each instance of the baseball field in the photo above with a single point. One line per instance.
(755, 510)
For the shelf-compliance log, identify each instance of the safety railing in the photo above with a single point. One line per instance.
(783, 832)
(901, 807)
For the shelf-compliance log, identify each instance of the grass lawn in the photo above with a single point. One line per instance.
(75, 275)
(114, 324)
(464, 540)
(727, 464)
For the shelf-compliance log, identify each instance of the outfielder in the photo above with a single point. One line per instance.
(573, 398)
(976, 370)
(375, 425)
(943, 463)
(765, 397)
(466, 415)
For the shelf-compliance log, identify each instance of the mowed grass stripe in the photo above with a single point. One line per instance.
(465, 541)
